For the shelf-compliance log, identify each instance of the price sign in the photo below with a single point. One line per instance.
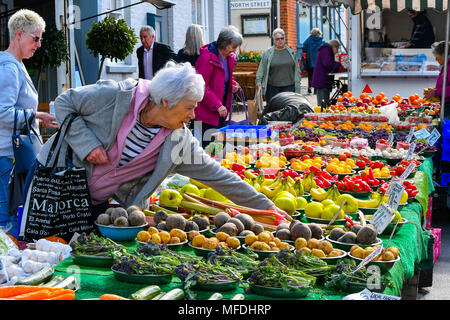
(412, 148)
(433, 137)
(369, 258)
(368, 295)
(391, 137)
(395, 195)
(408, 171)
(382, 217)
(421, 134)
(410, 135)
(389, 189)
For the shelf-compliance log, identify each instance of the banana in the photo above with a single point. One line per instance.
(369, 204)
(249, 175)
(288, 187)
(298, 187)
(275, 183)
(334, 193)
(270, 193)
(319, 194)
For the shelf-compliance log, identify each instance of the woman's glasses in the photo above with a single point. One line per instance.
(278, 39)
(35, 37)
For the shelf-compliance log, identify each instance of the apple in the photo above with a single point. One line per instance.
(190, 188)
(170, 197)
(287, 204)
(283, 194)
(314, 209)
(301, 202)
(329, 212)
(327, 202)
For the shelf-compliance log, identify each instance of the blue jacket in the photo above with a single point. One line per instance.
(310, 47)
(16, 92)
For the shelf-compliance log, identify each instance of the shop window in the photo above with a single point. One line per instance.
(200, 16)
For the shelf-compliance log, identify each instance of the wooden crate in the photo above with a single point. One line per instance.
(245, 74)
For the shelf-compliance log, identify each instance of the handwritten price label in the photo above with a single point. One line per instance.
(433, 137)
(408, 171)
(395, 195)
(410, 135)
(412, 148)
(382, 217)
(421, 134)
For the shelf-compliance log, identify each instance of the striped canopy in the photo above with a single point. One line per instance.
(395, 5)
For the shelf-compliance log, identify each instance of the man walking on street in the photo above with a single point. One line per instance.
(152, 55)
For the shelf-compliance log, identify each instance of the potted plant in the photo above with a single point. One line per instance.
(110, 38)
(52, 53)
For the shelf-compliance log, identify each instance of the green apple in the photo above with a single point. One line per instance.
(327, 202)
(287, 204)
(301, 202)
(314, 209)
(283, 194)
(190, 188)
(329, 211)
(351, 204)
(170, 197)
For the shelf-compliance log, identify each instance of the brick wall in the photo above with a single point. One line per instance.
(288, 22)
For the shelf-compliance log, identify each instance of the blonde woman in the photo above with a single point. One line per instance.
(17, 92)
(194, 41)
(278, 70)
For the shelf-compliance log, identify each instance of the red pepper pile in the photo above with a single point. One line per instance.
(322, 178)
(290, 173)
(410, 188)
(401, 167)
(357, 183)
(362, 162)
(239, 169)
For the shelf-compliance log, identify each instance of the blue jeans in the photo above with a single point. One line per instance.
(6, 165)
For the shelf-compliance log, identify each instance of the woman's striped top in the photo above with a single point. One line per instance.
(137, 140)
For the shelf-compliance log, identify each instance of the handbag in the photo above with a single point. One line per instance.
(58, 201)
(245, 122)
(26, 145)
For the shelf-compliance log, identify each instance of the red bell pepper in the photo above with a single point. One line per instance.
(237, 167)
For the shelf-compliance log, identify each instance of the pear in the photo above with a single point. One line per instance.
(314, 209)
(351, 204)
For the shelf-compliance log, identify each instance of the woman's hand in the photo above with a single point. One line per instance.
(276, 209)
(223, 112)
(235, 87)
(47, 119)
(98, 156)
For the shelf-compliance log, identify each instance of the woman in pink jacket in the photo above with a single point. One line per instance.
(216, 64)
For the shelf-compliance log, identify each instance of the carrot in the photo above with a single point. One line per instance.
(59, 292)
(36, 295)
(11, 291)
(109, 296)
(64, 296)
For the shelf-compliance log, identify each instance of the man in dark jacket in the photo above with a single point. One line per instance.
(325, 64)
(310, 47)
(152, 55)
(422, 35)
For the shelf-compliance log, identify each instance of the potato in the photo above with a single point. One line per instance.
(192, 234)
(198, 240)
(358, 253)
(233, 242)
(175, 232)
(284, 245)
(174, 240)
(222, 236)
(156, 238)
(394, 251)
(335, 253)
(305, 250)
(325, 246)
(276, 240)
(318, 253)
(300, 243)
(353, 248)
(143, 236)
(257, 245)
(264, 236)
(272, 244)
(274, 249)
(152, 230)
(249, 239)
(165, 237)
(313, 243)
(222, 244)
(388, 256)
(210, 244)
(368, 251)
(265, 247)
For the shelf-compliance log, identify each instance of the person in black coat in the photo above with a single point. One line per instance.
(157, 53)
(422, 35)
(194, 41)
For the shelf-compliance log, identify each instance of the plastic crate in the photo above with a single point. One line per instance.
(446, 135)
(445, 155)
(246, 132)
(445, 178)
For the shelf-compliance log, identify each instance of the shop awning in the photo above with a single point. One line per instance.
(395, 5)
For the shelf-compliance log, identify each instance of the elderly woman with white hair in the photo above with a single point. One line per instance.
(131, 135)
(278, 70)
(17, 95)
